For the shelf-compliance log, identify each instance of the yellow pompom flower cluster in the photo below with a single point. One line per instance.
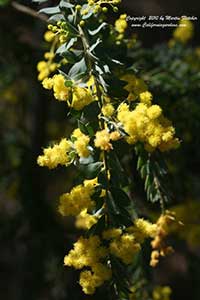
(49, 36)
(45, 68)
(57, 83)
(60, 31)
(103, 139)
(126, 244)
(78, 199)
(56, 155)
(146, 98)
(85, 220)
(184, 32)
(147, 124)
(108, 110)
(158, 244)
(143, 229)
(90, 280)
(162, 293)
(59, 154)
(121, 26)
(112, 233)
(135, 86)
(125, 247)
(80, 96)
(81, 143)
(89, 253)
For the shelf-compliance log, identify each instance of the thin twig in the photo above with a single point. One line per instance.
(29, 11)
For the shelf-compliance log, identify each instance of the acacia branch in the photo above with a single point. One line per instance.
(29, 11)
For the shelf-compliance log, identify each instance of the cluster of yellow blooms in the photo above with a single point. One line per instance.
(104, 138)
(79, 199)
(158, 244)
(46, 67)
(184, 32)
(59, 154)
(147, 124)
(125, 247)
(56, 155)
(60, 31)
(56, 35)
(108, 110)
(80, 96)
(121, 26)
(143, 229)
(81, 143)
(85, 220)
(89, 253)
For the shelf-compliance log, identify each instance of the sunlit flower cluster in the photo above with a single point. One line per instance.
(62, 152)
(81, 142)
(47, 66)
(125, 247)
(56, 155)
(85, 220)
(147, 124)
(121, 26)
(91, 254)
(104, 138)
(158, 244)
(78, 199)
(76, 97)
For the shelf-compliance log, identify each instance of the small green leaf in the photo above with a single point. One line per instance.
(65, 4)
(61, 49)
(98, 29)
(56, 18)
(50, 10)
(86, 160)
(78, 68)
(92, 170)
